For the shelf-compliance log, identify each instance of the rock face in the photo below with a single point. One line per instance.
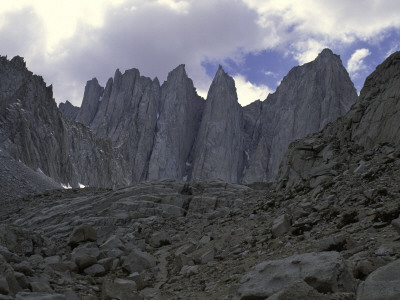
(177, 127)
(90, 102)
(308, 98)
(34, 131)
(127, 115)
(68, 110)
(219, 145)
(171, 132)
(368, 126)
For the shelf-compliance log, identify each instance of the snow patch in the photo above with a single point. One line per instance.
(81, 186)
(158, 116)
(101, 98)
(66, 186)
(184, 178)
(188, 164)
(39, 170)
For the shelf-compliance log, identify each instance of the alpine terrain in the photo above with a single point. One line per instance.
(293, 197)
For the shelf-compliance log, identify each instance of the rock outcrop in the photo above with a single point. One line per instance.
(69, 110)
(34, 131)
(308, 98)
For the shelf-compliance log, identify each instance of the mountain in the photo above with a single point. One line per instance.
(33, 130)
(308, 98)
(371, 126)
(329, 228)
(168, 131)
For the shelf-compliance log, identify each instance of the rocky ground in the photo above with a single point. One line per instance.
(338, 239)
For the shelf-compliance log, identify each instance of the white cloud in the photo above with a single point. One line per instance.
(308, 50)
(248, 92)
(178, 6)
(356, 62)
(326, 23)
(270, 73)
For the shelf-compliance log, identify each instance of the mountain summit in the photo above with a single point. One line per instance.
(169, 131)
(309, 97)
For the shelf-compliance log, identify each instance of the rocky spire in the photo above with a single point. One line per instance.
(177, 126)
(218, 152)
(90, 102)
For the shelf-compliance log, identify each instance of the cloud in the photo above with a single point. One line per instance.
(270, 73)
(308, 50)
(333, 24)
(155, 38)
(248, 92)
(356, 62)
(69, 42)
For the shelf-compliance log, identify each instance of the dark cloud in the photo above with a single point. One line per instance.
(22, 33)
(155, 39)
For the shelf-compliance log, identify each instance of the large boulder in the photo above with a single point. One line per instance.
(137, 261)
(121, 289)
(326, 272)
(82, 233)
(383, 283)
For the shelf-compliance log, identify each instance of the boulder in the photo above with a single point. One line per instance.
(281, 225)
(41, 286)
(95, 270)
(120, 289)
(39, 296)
(326, 272)
(383, 283)
(82, 233)
(137, 261)
(396, 224)
(159, 239)
(4, 288)
(83, 261)
(7, 274)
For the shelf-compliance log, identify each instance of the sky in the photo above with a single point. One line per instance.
(256, 41)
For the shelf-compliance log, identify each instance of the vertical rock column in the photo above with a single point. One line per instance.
(219, 145)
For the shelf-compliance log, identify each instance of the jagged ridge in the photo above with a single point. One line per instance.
(170, 132)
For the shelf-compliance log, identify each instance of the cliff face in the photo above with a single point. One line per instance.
(219, 146)
(34, 131)
(177, 126)
(308, 98)
(69, 110)
(371, 123)
(171, 132)
(127, 115)
(90, 102)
